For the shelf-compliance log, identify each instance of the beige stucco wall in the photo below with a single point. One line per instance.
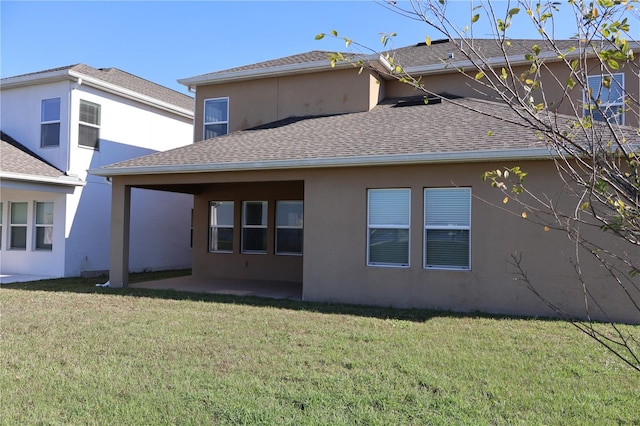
(256, 102)
(240, 265)
(553, 80)
(334, 268)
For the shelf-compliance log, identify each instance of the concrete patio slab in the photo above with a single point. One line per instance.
(269, 289)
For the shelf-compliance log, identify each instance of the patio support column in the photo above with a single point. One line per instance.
(120, 224)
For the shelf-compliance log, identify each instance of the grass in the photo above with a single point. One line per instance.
(72, 353)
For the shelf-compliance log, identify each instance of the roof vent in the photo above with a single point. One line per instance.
(440, 41)
(417, 101)
(450, 55)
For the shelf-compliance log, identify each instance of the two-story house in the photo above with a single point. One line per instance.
(57, 124)
(340, 181)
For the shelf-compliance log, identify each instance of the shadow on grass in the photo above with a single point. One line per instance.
(88, 286)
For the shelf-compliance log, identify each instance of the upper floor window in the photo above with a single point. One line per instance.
(89, 132)
(221, 226)
(50, 122)
(388, 222)
(289, 220)
(216, 117)
(447, 227)
(607, 92)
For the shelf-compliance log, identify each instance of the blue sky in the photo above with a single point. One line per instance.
(164, 41)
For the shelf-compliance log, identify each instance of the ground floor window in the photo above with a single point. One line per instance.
(289, 218)
(447, 228)
(388, 223)
(221, 226)
(44, 226)
(18, 226)
(254, 227)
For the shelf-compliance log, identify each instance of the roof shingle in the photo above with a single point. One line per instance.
(386, 130)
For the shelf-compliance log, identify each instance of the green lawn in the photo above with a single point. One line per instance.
(72, 353)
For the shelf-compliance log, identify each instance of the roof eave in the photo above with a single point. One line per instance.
(62, 180)
(226, 77)
(130, 94)
(357, 161)
(37, 78)
(69, 74)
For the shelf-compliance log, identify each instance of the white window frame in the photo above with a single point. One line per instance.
(87, 124)
(218, 226)
(264, 226)
(37, 225)
(44, 123)
(451, 227)
(604, 106)
(12, 226)
(299, 226)
(206, 123)
(373, 226)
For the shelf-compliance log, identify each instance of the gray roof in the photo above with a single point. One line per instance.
(301, 58)
(125, 80)
(18, 161)
(422, 55)
(418, 55)
(389, 131)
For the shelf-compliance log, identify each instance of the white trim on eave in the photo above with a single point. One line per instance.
(83, 79)
(356, 161)
(62, 180)
(130, 94)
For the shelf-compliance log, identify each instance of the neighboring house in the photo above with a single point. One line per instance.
(347, 184)
(56, 125)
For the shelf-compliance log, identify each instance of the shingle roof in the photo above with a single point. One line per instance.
(422, 55)
(301, 58)
(418, 55)
(386, 130)
(15, 158)
(128, 81)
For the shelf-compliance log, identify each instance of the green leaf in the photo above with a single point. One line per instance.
(479, 75)
(334, 33)
(320, 36)
(475, 18)
(427, 41)
(514, 11)
(613, 64)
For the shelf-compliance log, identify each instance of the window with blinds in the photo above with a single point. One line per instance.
(447, 228)
(605, 98)
(388, 223)
(89, 131)
(216, 117)
(220, 226)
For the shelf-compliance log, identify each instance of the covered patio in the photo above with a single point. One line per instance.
(230, 286)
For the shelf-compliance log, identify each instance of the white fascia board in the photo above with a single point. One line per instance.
(356, 161)
(130, 94)
(38, 78)
(62, 180)
(71, 75)
(226, 77)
